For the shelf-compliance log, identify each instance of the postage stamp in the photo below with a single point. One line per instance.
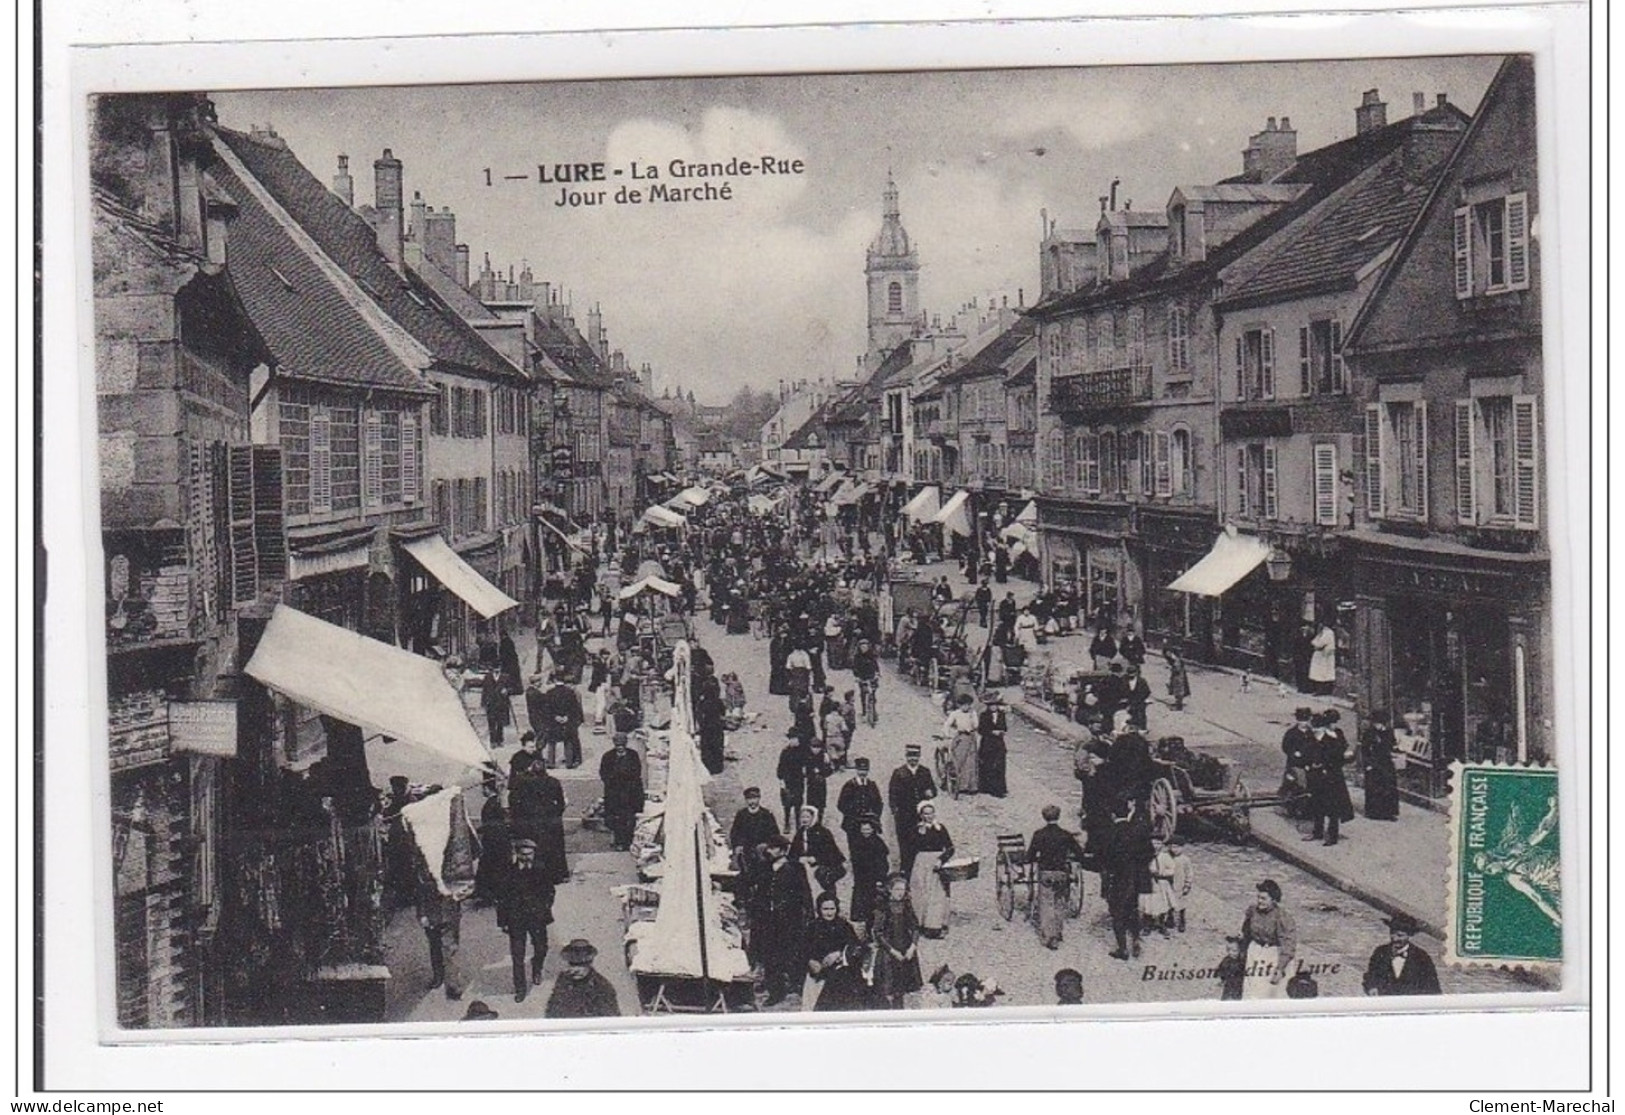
(1505, 883)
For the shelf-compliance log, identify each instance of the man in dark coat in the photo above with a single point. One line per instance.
(792, 775)
(858, 798)
(536, 810)
(910, 784)
(561, 723)
(1400, 967)
(1297, 744)
(621, 770)
(1125, 873)
(524, 911)
(871, 863)
(784, 911)
(580, 991)
(710, 714)
(1329, 802)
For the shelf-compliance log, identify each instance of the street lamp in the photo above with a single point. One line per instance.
(1278, 564)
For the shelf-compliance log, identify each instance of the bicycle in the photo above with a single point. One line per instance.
(867, 690)
(947, 773)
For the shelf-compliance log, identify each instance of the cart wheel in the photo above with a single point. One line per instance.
(1075, 895)
(1164, 809)
(1004, 887)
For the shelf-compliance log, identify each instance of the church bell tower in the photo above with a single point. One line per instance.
(893, 272)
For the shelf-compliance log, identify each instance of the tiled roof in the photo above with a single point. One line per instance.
(347, 239)
(1352, 229)
(315, 329)
(992, 358)
(1324, 171)
(815, 424)
(856, 404)
(571, 352)
(1026, 373)
(467, 306)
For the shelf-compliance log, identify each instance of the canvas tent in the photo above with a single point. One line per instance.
(663, 517)
(924, 506)
(955, 514)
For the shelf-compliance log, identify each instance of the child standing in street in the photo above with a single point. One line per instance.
(1183, 875)
(1157, 908)
(1232, 970)
(1179, 682)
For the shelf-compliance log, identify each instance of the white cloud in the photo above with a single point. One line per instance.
(1106, 121)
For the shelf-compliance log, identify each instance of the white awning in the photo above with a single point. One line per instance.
(954, 514)
(379, 688)
(1020, 534)
(664, 517)
(760, 504)
(442, 562)
(1233, 557)
(650, 584)
(923, 507)
(689, 497)
(357, 556)
(828, 483)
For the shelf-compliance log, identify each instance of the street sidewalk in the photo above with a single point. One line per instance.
(1398, 866)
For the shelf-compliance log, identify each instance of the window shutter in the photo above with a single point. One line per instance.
(1326, 484)
(1466, 505)
(372, 460)
(1421, 460)
(1164, 471)
(1144, 448)
(1526, 460)
(270, 541)
(1091, 447)
(321, 460)
(1069, 463)
(1339, 373)
(1272, 495)
(1241, 366)
(1517, 216)
(245, 576)
(1374, 442)
(1267, 362)
(1463, 225)
(409, 457)
(479, 412)
(1241, 482)
(1305, 378)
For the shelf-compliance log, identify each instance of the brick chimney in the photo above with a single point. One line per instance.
(1371, 114)
(343, 184)
(1419, 103)
(1270, 151)
(462, 266)
(386, 172)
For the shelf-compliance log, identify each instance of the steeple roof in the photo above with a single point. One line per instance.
(891, 242)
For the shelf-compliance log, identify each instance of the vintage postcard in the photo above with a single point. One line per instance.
(838, 544)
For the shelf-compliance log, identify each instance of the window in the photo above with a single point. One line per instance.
(1257, 489)
(440, 497)
(1396, 460)
(1136, 464)
(1109, 475)
(1497, 465)
(1179, 348)
(1056, 468)
(894, 298)
(1180, 462)
(1053, 340)
(1255, 364)
(1078, 345)
(1320, 359)
(293, 429)
(389, 441)
(1492, 246)
(346, 458)
(482, 503)
(1136, 337)
(1105, 342)
(439, 411)
(479, 429)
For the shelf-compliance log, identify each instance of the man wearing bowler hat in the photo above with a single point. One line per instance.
(1400, 967)
(581, 992)
(524, 911)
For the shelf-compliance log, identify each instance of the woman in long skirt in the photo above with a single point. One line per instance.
(990, 752)
(933, 847)
(835, 958)
(896, 934)
(1381, 779)
(960, 726)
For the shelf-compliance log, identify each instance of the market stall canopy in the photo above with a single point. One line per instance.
(649, 567)
(650, 584)
(690, 497)
(1233, 557)
(851, 493)
(828, 483)
(923, 507)
(760, 504)
(377, 687)
(955, 514)
(663, 517)
(442, 562)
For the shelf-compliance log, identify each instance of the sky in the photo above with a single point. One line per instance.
(769, 285)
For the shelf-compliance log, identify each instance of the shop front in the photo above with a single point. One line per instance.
(1171, 541)
(1086, 548)
(1453, 644)
(451, 597)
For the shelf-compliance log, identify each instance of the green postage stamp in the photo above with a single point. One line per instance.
(1506, 891)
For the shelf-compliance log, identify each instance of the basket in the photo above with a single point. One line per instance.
(960, 869)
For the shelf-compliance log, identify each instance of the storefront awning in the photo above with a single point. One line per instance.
(651, 584)
(760, 504)
(1233, 557)
(689, 497)
(442, 562)
(379, 688)
(955, 514)
(923, 507)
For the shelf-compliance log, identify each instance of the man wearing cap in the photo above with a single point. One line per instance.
(524, 911)
(1051, 852)
(1400, 967)
(858, 798)
(780, 928)
(580, 991)
(621, 771)
(1298, 745)
(910, 784)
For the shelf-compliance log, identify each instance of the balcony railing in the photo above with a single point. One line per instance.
(1113, 387)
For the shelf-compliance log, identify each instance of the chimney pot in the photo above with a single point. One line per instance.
(1441, 99)
(1419, 103)
(1286, 123)
(1269, 125)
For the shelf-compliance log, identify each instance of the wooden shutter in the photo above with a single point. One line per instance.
(1091, 457)
(1241, 482)
(479, 412)
(270, 539)
(1374, 443)
(1305, 373)
(1339, 373)
(321, 460)
(1517, 232)
(1163, 469)
(1266, 346)
(245, 573)
(1325, 465)
(1466, 504)
(1069, 462)
(1272, 492)
(409, 457)
(1241, 366)
(1463, 231)
(1526, 460)
(372, 460)
(1421, 460)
